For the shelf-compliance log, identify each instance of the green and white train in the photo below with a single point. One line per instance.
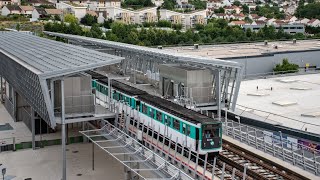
(192, 129)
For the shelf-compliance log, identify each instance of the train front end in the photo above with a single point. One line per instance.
(211, 138)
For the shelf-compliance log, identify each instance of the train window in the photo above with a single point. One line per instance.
(176, 124)
(137, 105)
(159, 116)
(144, 109)
(167, 120)
(120, 97)
(184, 127)
(188, 130)
(151, 112)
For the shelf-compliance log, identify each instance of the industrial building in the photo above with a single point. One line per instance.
(261, 57)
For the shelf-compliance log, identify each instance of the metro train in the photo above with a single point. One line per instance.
(196, 131)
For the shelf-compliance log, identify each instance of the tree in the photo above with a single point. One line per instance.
(237, 3)
(245, 9)
(164, 23)
(168, 4)
(89, 20)
(286, 67)
(220, 10)
(310, 11)
(96, 31)
(70, 18)
(18, 27)
(107, 23)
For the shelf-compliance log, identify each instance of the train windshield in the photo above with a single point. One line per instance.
(211, 136)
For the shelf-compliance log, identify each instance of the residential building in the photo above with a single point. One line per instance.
(158, 3)
(77, 10)
(187, 20)
(215, 4)
(10, 9)
(39, 2)
(133, 17)
(314, 23)
(303, 21)
(26, 10)
(102, 16)
(288, 28)
(232, 9)
(38, 13)
(237, 23)
(4, 3)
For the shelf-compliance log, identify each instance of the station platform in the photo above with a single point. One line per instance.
(45, 163)
(272, 158)
(21, 133)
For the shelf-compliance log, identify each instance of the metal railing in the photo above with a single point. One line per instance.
(305, 157)
(132, 154)
(264, 116)
(274, 74)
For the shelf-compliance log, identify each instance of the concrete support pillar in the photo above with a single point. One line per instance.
(33, 128)
(63, 130)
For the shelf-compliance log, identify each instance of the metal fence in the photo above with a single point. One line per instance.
(300, 155)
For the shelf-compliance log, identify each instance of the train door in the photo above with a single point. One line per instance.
(197, 138)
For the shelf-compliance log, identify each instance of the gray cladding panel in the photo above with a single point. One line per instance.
(26, 83)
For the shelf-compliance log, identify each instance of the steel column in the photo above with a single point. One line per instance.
(63, 125)
(33, 129)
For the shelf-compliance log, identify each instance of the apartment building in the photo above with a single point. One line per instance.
(77, 10)
(187, 20)
(133, 17)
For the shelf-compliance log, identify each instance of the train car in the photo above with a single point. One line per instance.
(196, 131)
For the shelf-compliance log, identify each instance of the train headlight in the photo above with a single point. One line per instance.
(211, 143)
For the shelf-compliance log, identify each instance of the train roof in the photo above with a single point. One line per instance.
(127, 89)
(163, 104)
(175, 109)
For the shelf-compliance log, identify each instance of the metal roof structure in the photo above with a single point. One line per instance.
(147, 60)
(29, 63)
(152, 51)
(51, 58)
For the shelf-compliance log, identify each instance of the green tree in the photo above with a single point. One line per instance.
(88, 20)
(310, 11)
(245, 9)
(168, 4)
(96, 31)
(237, 3)
(286, 67)
(107, 23)
(164, 23)
(220, 10)
(18, 27)
(70, 18)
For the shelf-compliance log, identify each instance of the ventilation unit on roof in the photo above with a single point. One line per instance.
(159, 47)
(266, 42)
(196, 46)
(294, 41)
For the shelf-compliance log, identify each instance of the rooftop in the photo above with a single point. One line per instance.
(294, 97)
(50, 58)
(245, 49)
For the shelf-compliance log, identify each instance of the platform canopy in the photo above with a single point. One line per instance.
(28, 62)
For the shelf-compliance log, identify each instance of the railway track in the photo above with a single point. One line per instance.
(258, 167)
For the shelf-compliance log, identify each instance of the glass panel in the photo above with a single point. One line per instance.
(159, 116)
(176, 124)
